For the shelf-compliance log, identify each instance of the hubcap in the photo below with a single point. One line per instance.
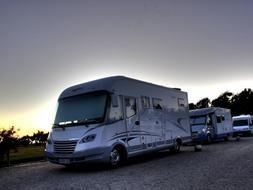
(115, 157)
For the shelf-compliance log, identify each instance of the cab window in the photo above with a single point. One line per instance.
(116, 113)
(130, 106)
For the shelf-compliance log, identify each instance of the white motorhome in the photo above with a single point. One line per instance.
(243, 125)
(208, 124)
(112, 119)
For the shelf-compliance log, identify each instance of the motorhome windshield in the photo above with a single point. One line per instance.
(81, 109)
(242, 122)
(198, 128)
(198, 120)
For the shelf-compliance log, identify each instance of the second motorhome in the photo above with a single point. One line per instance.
(243, 125)
(209, 124)
(112, 119)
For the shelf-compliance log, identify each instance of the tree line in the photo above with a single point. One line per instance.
(8, 141)
(241, 103)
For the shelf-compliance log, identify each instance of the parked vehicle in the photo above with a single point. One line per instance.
(243, 125)
(112, 119)
(209, 124)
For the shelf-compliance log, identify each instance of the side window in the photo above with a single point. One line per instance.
(157, 103)
(116, 113)
(145, 102)
(130, 106)
(208, 120)
(218, 118)
(223, 118)
(181, 102)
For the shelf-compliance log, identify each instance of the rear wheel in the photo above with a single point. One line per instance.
(176, 147)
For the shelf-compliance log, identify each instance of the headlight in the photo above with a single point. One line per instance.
(88, 138)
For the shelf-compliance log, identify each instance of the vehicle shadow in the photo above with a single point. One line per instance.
(145, 158)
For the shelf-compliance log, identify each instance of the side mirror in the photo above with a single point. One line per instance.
(114, 100)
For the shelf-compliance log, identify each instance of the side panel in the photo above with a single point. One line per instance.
(159, 127)
(223, 122)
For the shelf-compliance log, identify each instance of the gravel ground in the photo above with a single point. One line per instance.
(222, 165)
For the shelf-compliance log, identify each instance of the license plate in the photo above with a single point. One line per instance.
(64, 161)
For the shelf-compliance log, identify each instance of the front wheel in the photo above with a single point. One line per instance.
(226, 138)
(115, 157)
(209, 139)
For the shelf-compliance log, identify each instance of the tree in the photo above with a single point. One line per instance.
(192, 106)
(203, 103)
(25, 140)
(223, 101)
(40, 137)
(242, 103)
(8, 141)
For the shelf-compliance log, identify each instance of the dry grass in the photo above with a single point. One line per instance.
(27, 153)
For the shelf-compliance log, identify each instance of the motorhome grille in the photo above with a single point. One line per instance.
(64, 147)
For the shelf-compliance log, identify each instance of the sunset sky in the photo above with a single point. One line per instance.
(204, 47)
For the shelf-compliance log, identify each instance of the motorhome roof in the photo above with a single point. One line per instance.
(242, 116)
(203, 111)
(106, 84)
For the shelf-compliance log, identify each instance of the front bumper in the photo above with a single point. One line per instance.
(95, 155)
(242, 133)
(199, 138)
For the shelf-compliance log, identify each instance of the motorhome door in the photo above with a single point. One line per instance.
(220, 124)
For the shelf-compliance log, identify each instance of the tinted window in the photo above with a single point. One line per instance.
(240, 122)
(81, 108)
(198, 120)
(197, 128)
(218, 119)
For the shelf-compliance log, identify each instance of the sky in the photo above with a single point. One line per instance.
(204, 47)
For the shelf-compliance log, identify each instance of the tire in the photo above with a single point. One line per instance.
(198, 148)
(226, 138)
(176, 147)
(209, 139)
(116, 157)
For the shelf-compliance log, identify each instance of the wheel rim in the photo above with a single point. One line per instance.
(176, 146)
(115, 157)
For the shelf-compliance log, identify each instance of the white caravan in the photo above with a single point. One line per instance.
(112, 119)
(243, 125)
(208, 124)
